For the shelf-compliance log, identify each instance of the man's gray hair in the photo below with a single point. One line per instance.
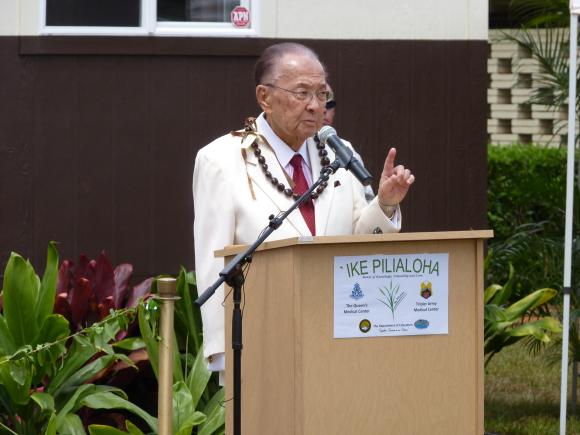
(267, 61)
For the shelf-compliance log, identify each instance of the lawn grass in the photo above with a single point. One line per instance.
(522, 395)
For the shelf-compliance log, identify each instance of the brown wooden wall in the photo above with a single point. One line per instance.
(98, 135)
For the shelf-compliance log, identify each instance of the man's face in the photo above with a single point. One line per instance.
(293, 118)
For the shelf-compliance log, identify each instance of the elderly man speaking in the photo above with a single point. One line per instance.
(243, 177)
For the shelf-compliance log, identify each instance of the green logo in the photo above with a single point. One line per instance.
(393, 297)
(364, 326)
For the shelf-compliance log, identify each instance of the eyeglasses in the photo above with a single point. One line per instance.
(321, 96)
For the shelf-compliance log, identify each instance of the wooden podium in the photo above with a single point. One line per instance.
(297, 379)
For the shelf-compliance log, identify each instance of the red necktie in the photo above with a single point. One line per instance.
(301, 186)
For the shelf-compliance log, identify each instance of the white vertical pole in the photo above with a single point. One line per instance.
(569, 208)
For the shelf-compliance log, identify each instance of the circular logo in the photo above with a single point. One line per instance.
(364, 326)
(421, 324)
(240, 16)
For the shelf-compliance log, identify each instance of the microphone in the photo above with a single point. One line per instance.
(327, 136)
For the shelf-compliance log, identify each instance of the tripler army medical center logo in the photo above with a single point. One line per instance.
(426, 290)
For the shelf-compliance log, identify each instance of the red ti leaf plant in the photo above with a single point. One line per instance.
(89, 290)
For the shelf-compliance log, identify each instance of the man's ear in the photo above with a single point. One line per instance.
(263, 98)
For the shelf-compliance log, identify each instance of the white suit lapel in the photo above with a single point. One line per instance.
(323, 202)
(278, 199)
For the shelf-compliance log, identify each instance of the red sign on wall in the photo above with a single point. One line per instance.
(240, 16)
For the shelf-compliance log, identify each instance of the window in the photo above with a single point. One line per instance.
(115, 13)
(195, 10)
(157, 17)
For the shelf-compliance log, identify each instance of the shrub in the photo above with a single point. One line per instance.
(526, 210)
(526, 184)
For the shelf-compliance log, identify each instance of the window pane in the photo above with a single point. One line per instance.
(209, 11)
(114, 13)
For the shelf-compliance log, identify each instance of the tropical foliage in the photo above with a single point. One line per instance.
(537, 258)
(50, 376)
(507, 324)
(197, 398)
(526, 202)
(196, 387)
(550, 48)
(541, 13)
(45, 373)
(87, 291)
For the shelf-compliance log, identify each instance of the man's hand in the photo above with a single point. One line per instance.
(395, 181)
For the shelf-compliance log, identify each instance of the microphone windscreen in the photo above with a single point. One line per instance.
(325, 132)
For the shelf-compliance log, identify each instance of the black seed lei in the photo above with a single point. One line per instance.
(324, 161)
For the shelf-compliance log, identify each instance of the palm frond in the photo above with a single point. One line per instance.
(550, 49)
(541, 13)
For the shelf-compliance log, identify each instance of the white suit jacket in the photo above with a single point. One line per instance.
(232, 202)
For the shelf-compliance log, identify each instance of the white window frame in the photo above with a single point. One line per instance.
(151, 27)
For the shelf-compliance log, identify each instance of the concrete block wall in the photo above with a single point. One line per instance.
(513, 75)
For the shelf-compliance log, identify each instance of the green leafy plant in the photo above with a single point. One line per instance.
(526, 201)
(553, 353)
(550, 49)
(537, 258)
(87, 291)
(197, 397)
(541, 13)
(526, 184)
(45, 373)
(507, 324)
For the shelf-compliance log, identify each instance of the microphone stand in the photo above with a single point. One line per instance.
(233, 275)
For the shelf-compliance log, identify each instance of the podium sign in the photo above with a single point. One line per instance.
(390, 295)
(297, 379)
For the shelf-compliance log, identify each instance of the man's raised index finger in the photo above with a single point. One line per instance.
(390, 161)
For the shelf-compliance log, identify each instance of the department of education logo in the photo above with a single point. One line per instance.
(356, 293)
(426, 290)
(364, 326)
(421, 324)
